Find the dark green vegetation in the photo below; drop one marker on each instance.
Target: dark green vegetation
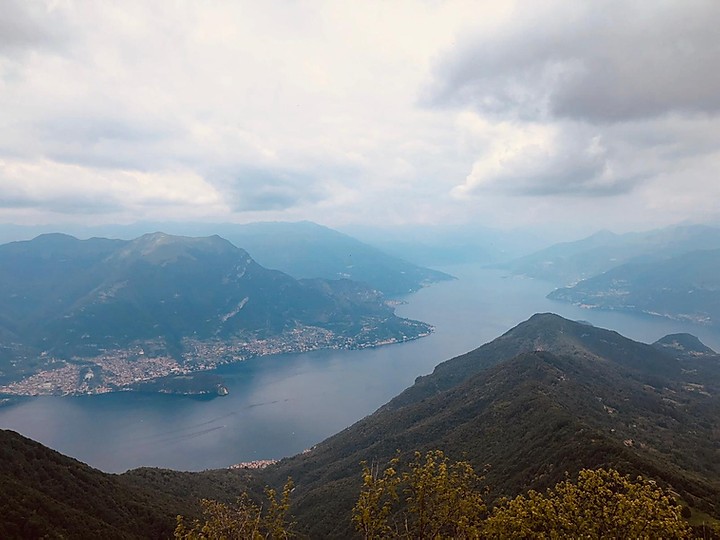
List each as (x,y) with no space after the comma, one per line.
(684,287)
(547,398)
(569,262)
(550,396)
(45,494)
(70,297)
(244,520)
(200,384)
(434,498)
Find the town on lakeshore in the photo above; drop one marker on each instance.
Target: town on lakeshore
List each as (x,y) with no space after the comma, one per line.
(124,369)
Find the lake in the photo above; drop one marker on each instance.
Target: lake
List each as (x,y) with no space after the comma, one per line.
(281,405)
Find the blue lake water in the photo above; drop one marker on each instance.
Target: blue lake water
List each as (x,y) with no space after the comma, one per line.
(280,405)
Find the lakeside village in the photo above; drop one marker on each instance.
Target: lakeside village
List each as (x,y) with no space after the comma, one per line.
(125,369)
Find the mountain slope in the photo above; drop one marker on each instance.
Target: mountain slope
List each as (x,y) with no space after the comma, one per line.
(548,397)
(184,301)
(309,250)
(589,398)
(685,287)
(46,494)
(302,249)
(567,263)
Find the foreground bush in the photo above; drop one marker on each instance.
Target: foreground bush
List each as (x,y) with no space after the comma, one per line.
(243,521)
(436,499)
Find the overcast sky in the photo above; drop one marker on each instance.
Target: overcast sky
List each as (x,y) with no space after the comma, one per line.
(601,114)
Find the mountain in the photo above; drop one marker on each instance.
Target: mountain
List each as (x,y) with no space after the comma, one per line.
(684,287)
(302,249)
(110,312)
(449,244)
(548,397)
(48,495)
(685,345)
(309,250)
(567,263)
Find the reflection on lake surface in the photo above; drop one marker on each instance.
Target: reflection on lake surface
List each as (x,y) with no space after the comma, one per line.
(280,405)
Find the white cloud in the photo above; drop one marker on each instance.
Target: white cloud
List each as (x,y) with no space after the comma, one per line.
(319,110)
(62,188)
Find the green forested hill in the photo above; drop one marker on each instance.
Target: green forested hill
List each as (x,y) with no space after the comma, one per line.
(549,397)
(47,494)
(61,298)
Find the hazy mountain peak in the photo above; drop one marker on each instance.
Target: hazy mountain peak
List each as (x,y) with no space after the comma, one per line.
(160,248)
(54,237)
(603,235)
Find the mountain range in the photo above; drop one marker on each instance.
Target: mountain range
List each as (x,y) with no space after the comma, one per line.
(569,262)
(685,287)
(111,312)
(548,397)
(308,250)
(300,249)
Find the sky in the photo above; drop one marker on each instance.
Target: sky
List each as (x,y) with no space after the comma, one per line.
(568,114)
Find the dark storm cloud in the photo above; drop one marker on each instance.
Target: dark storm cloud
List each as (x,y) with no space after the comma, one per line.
(596,62)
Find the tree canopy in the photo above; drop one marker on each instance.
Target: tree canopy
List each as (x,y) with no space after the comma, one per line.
(433,498)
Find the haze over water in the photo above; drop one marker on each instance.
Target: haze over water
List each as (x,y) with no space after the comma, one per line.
(281,405)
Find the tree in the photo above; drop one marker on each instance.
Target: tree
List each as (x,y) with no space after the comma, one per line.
(377,497)
(602,504)
(441,500)
(245,520)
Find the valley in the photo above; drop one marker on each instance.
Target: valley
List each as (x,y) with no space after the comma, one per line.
(280,405)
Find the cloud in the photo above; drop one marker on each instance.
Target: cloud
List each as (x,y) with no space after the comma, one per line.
(543,160)
(254,189)
(597,62)
(239,110)
(69,189)
(586,100)
(28,25)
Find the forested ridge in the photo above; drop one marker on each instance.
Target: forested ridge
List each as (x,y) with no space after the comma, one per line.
(528,411)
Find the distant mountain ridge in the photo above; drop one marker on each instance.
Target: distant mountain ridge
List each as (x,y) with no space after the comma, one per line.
(684,287)
(308,250)
(301,249)
(181,300)
(569,262)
